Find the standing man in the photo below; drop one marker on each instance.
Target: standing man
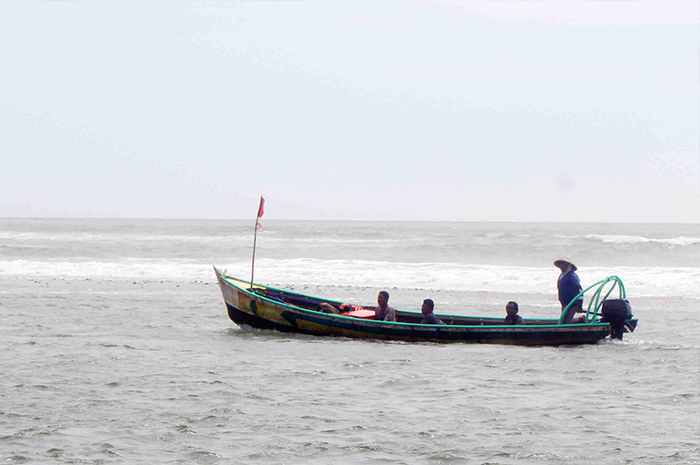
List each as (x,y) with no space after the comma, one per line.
(569,286)
(384,311)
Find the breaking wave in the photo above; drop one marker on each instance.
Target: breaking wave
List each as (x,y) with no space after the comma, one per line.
(639,281)
(613,239)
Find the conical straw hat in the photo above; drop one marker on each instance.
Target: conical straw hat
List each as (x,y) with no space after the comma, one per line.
(564,260)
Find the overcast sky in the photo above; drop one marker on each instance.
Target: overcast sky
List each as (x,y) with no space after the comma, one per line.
(512,111)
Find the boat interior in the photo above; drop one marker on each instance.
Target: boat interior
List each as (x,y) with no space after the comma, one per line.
(312,303)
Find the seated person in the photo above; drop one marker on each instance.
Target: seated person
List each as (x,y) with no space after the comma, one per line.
(325,307)
(344,308)
(429,317)
(384,311)
(513,318)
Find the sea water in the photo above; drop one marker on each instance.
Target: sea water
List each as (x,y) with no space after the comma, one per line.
(115,346)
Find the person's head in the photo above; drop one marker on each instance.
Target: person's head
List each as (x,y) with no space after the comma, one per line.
(512,308)
(428,306)
(383,298)
(565,264)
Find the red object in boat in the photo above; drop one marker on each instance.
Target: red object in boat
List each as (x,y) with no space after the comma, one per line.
(362,314)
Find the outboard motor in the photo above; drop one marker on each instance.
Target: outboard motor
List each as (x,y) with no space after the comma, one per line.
(616,312)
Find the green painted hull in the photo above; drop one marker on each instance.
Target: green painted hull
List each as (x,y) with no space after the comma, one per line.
(251,309)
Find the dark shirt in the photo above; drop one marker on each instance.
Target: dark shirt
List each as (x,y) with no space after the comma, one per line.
(515,320)
(569,286)
(430,319)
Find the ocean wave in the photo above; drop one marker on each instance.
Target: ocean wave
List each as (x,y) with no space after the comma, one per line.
(116,238)
(639,281)
(622,239)
(223,240)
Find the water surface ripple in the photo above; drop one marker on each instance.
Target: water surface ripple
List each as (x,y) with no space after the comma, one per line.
(150,370)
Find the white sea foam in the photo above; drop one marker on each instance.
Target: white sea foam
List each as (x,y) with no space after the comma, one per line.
(622,239)
(639,281)
(111,238)
(270,237)
(126,269)
(114,237)
(647,281)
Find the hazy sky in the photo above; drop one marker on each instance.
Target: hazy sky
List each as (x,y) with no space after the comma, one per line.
(515,111)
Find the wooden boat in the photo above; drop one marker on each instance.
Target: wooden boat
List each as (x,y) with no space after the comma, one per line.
(265,307)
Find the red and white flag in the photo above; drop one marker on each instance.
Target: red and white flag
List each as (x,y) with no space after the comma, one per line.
(261,211)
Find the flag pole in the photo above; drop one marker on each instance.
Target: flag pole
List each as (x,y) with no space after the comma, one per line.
(252,266)
(255,238)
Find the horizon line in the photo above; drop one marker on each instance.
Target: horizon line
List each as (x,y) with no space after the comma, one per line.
(86,218)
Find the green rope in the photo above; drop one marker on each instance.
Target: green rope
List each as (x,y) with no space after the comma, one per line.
(596,302)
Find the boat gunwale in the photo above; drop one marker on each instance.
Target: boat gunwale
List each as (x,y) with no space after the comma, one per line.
(513,328)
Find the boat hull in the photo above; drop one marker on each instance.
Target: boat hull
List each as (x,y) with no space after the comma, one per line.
(246,308)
